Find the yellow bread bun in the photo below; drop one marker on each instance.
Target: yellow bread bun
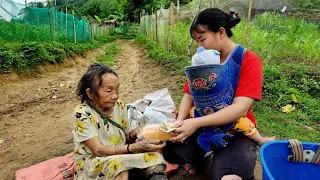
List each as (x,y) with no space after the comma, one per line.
(153,131)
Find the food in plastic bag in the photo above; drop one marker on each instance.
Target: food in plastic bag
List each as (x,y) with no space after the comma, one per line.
(162,132)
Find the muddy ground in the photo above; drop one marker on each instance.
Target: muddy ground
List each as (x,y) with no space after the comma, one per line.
(35,108)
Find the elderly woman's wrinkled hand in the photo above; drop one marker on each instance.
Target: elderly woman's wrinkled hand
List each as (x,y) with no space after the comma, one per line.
(146,145)
(134,133)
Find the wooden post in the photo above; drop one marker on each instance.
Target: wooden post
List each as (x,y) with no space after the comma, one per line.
(156,26)
(248,25)
(140,23)
(57,19)
(49,20)
(93,31)
(61,20)
(147,27)
(199,4)
(74,27)
(171,22)
(217,3)
(145,24)
(178,4)
(191,40)
(25,22)
(37,13)
(83,32)
(101,31)
(66,24)
(91,36)
(134,25)
(152,26)
(54,22)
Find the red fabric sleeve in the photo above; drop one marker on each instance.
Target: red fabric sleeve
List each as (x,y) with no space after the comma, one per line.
(250,81)
(186,87)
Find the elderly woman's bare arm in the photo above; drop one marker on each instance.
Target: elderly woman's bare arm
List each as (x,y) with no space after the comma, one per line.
(98,149)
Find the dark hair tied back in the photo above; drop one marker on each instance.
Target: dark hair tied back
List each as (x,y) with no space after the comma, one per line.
(92,80)
(213,19)
(234,19)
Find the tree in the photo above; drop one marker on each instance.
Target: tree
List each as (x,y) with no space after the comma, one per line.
(78,4)
(110,7)
(36,4)
(93,7)
(131,9)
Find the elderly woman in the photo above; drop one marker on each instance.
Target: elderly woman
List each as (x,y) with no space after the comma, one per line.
(105,146)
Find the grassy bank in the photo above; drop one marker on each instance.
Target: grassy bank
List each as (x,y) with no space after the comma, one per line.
(18,56)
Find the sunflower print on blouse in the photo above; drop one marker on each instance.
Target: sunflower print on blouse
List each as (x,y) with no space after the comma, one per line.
(121,103)
(81,127)
(113,166)
(116,139)
(94,121)
(78,108)
(79,164)
(150,157)
(123,122)
(98,166)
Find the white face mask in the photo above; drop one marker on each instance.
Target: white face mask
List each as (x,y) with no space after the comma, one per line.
(204,56)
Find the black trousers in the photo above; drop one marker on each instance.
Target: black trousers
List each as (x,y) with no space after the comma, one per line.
(238,158)
(187,152)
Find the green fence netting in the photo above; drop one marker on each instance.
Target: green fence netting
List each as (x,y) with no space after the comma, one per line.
(45,25)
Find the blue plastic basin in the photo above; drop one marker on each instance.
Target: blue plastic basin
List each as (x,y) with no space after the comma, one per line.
(275,164)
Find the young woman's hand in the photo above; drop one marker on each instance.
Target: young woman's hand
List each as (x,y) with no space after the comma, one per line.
(185,129)
(147,145)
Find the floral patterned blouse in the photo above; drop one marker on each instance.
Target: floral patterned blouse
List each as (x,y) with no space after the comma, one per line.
(88,123)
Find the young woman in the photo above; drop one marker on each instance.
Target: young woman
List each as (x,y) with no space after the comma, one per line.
(212,30)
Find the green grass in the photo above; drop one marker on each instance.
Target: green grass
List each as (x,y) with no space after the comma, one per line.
(281,40)
(272,122)
(109,58)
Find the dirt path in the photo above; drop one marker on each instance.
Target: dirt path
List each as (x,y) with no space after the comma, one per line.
(35,113)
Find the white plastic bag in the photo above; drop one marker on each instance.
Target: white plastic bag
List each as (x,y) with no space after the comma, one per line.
(155,108)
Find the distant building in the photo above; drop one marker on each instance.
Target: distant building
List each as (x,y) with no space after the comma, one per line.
(258,6)
(112,22)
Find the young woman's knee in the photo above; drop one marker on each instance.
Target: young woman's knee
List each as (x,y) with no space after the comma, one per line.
(124,175)
(231,177)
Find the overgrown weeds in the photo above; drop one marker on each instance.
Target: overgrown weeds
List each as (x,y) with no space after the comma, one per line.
(19,56)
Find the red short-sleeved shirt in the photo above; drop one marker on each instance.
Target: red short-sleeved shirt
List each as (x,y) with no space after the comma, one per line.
(250,81)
